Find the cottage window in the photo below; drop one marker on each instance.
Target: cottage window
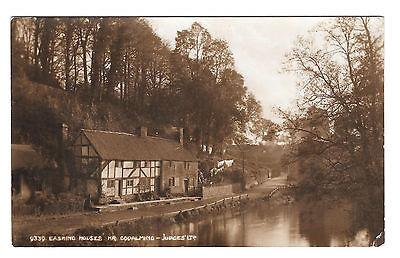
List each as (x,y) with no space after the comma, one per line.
(171,181)
(118,164)
(110,183)
(154,169)
(187,165)
(127,187)
(85,161)
(85,150)
(129,183)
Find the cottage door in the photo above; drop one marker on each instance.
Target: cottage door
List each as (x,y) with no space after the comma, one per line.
(157,184)
(186,185)
(120,187)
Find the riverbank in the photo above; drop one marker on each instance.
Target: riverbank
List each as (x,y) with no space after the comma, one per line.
(38,233)
(272,219)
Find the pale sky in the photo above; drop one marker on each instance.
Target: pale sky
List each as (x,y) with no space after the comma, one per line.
(258,46)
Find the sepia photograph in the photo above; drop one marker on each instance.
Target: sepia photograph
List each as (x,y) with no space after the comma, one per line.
(219,131)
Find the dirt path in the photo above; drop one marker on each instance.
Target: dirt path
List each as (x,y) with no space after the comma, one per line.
(266,187)
(68,224)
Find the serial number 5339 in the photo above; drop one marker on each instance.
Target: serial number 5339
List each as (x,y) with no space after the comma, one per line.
(37,238)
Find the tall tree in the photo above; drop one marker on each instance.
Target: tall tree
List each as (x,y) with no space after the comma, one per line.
(121,61)
(68,34)
(342,122)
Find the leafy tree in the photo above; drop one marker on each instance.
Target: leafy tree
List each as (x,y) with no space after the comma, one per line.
(339,133)
(122,62)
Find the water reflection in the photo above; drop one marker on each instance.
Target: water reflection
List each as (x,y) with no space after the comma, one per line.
(293,225)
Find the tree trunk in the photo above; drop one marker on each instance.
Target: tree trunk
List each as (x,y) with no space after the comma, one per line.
(84,50)
(67,56)
(75,73)
(36,43)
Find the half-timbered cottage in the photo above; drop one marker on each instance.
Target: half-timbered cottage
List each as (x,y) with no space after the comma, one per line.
(125,166)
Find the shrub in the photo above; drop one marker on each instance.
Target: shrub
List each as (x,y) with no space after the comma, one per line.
(48,204)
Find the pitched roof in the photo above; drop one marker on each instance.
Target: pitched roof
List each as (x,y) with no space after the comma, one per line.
(124,146)
(24,156)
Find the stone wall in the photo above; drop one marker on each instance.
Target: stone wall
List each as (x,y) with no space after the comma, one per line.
(221,190)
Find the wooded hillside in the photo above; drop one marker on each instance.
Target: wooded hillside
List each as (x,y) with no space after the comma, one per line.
(116,73)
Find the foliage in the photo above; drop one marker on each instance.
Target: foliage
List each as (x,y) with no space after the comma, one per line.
(111,62)
(337,138)
(48,204)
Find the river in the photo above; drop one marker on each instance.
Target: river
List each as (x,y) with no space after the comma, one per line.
(270,225)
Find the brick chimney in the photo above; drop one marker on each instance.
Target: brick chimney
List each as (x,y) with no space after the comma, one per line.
(143,131)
